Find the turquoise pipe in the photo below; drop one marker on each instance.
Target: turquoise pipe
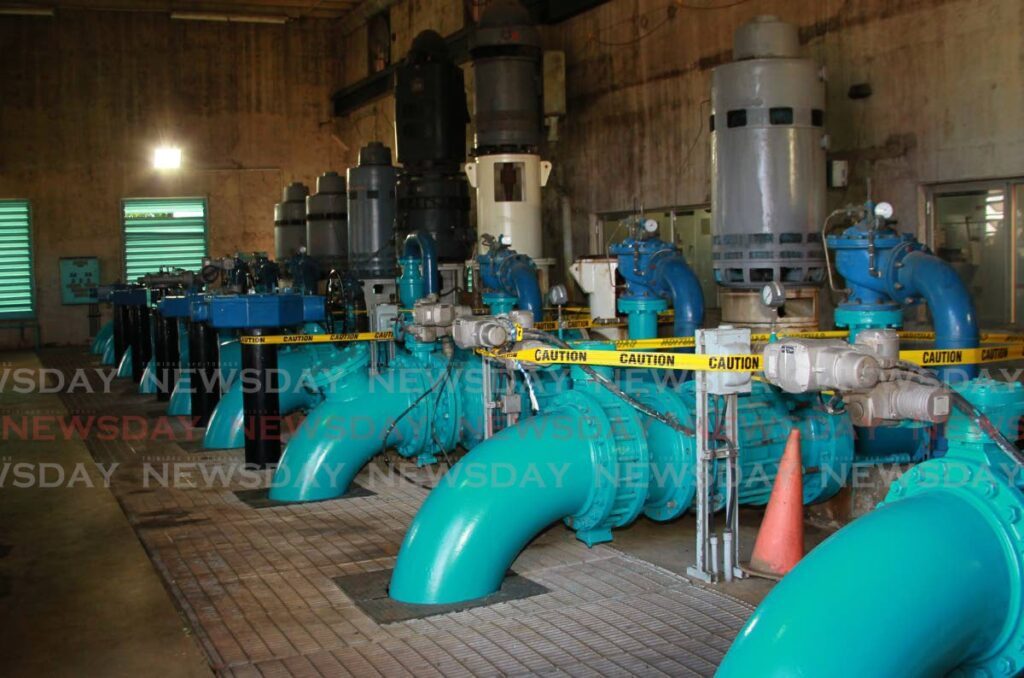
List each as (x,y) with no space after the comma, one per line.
(937,581)
(304,371)
(642,316)
(344,432)
(108,356)
(180,403)
(124,369)
(102,338)
(930,583)
(411,285)
(147,385)
(341,434)
(462,538)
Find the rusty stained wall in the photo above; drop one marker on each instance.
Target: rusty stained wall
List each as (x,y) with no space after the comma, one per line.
(87,95)
(947,77)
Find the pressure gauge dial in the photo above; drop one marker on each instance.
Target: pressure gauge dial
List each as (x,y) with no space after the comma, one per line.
(884,210)
(773,295)
(650,225)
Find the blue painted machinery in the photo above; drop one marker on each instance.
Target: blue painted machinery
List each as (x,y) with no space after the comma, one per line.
(657,276)
(254,316)
(306,372)
(509,280)
(927,584)
(886,273)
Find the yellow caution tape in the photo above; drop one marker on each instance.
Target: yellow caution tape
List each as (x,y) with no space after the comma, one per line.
(736,362)
(935,357)
(661,361)
(317,338)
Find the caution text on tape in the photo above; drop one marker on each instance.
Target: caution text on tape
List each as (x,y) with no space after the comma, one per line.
(317,338)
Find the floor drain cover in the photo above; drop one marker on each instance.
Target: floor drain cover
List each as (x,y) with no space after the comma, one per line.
(369,591)
(259,499)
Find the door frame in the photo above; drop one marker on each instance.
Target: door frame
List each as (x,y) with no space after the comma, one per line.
(1010,208)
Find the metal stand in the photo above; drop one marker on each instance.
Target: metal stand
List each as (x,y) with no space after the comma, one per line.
(710,566)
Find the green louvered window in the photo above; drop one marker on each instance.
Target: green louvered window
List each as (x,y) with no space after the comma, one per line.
(17,294)
(163,232)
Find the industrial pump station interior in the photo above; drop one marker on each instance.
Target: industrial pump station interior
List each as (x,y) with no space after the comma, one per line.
(512,337)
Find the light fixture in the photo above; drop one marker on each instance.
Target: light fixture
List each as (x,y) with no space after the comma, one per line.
(26,11)
(167,158)
(230,18)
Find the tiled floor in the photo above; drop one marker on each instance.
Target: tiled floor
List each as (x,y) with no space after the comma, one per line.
(256,584)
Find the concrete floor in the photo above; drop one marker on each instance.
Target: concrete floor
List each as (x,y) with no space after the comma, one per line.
(78,593)
(252,592)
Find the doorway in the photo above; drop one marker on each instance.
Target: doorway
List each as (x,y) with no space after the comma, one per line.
(976,227)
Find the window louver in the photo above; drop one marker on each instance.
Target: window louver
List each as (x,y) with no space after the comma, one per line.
(17,296)
(163,232)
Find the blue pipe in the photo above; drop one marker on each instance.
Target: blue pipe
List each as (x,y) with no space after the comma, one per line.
(685,292)
(654,271)
(886,271)
(522,277)
(421,245)
(505,271)
(954,316)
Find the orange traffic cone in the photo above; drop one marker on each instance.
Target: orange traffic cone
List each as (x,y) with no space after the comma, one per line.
(780,543)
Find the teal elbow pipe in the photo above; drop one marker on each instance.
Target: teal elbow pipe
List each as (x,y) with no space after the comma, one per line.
(226,429)
(230,360)
(108,356)
(180,404)
(914,588)
(337,439)
(931,583)
(124,370)
(473,525)
(349,427)
(147,385)
(420,245)
(99,342)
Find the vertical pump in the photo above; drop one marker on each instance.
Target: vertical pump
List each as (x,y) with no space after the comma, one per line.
(508,173)
(327,222)
(768,168)
(430,121)
(290,221)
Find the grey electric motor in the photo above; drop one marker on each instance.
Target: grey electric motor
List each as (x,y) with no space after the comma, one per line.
(371,213)
(290,221)
(327,220)
(768,160)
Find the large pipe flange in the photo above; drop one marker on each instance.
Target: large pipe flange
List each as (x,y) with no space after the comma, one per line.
(990,493)
(621,465)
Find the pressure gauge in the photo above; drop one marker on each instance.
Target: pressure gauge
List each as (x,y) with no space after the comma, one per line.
(650,225)
(773,295)
(884,210)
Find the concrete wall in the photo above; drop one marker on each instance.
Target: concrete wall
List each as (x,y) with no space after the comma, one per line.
(87,95)
(947,77)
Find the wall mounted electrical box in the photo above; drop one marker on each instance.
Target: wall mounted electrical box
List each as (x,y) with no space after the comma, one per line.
(79,278)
